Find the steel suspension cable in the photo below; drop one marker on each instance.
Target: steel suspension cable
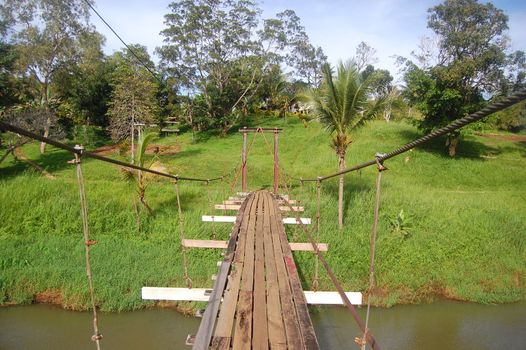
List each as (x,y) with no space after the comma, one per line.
(369,336)
(316,282)
(96,337)
(17,130)
(457,124)
(243,164)
(124,43)
(211,206)
(372,253)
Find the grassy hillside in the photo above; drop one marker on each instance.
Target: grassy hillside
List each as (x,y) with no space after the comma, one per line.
(464,230)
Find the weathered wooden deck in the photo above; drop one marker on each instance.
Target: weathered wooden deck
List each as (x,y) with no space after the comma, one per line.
(257,301)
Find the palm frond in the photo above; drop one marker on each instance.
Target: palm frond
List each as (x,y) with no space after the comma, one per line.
(141,150)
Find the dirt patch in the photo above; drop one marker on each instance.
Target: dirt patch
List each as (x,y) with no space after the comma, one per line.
(151,149)
(106,150)
(53,297)
(505,137)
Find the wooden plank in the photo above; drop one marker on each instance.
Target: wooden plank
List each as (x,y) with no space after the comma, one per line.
(227,206)
(307,247)
(220,218)
(206,327)
(294,221)
(237,206)
(287,208)
(202,243)
(331,298)
(200,294)
(234,201)
(174,294)
(276,328)
(214,244)
(243,323)
(290,320)
(260,328)
(225,321)
(305,323)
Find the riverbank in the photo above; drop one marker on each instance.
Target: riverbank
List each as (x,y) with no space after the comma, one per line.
(462,235)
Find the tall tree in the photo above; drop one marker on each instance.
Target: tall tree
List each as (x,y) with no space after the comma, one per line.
(47,39)
(206,45)
(214,49)
(472,62)
(133,99)
(84,85)
(365,56)
(301,56)
(342,104)
(8,82)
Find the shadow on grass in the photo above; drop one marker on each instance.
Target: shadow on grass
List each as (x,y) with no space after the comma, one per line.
(466,148)
(189,201)
(53,160)
(188,153)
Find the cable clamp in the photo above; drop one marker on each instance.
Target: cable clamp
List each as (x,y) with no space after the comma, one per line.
(96,337)
(79,150)
(379,161)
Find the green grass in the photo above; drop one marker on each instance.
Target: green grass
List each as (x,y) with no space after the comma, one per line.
(466,239)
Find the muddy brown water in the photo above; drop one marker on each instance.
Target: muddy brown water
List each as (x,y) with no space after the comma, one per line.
(442,325)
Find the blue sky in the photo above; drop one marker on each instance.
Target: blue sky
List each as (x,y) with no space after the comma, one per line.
(392,27)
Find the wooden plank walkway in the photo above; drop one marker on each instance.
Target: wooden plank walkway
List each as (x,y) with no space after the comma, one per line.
(263,306)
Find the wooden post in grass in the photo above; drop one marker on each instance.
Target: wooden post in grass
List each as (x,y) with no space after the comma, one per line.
(244,164)
(276,161)
(244,155)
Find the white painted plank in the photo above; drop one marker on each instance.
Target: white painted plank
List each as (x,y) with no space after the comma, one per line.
(210,218)
(203,243)
(292,221)
(198,294)
(174,294)
(218,218)
(331,298)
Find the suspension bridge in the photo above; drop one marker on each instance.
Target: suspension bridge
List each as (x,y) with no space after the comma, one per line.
(257,300)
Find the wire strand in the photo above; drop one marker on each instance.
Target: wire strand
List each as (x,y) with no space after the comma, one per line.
(122,41)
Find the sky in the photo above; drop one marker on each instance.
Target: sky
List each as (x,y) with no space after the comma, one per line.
(392,27)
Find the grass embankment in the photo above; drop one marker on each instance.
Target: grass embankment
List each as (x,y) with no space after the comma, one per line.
(466,239)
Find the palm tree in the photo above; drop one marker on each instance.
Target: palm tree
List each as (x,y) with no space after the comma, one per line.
(342,104)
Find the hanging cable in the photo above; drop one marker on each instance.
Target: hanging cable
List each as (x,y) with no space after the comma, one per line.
(96,337)
(122,41)
(211,205)
(241,167)
(32,135)
(372,253)
(187,278)
(369,336)
(315,282)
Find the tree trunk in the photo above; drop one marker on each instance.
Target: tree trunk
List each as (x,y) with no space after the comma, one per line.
(48,119)
(451,144)
(341,166)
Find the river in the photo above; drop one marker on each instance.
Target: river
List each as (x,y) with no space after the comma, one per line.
(441,325)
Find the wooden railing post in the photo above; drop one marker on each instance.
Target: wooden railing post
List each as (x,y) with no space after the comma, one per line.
(244,164)
(276,161)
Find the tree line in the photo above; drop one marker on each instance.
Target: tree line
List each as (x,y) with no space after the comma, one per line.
(221,61)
